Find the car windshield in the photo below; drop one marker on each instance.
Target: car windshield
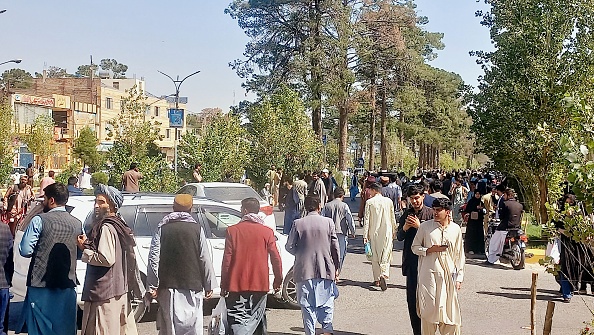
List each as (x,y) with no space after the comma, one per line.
(230,194)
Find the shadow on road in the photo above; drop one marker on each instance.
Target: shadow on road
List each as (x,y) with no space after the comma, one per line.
(367,285)
(299,329)
(481,263)
(518,294)
(391,265)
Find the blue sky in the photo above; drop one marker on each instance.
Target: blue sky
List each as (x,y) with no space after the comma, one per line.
(180,37)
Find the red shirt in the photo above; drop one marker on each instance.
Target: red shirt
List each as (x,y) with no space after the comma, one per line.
(245,261)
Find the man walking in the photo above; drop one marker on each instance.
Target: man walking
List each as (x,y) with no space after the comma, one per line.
(392,194)
(109,254)
(407,229)
(318,188)
(16,200)
(179,290)
(30,173)
(510,213)
(314,243)
(245,273)
(379,229)
(341,215)
(131,179)
(438,244)
(197,173)
(45,182)
(50,242)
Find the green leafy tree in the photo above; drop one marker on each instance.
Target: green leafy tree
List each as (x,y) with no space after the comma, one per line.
(6,139)
(85,149)
(516,113)
(221,147)
(131,127)
(40,141)
(70,170)
(86,70)
(54,72)
(15,78)
(134,141)
(280,135)
(118,70)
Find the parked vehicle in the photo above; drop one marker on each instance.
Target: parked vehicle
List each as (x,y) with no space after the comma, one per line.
(230,194)
(143,212)
(514,247)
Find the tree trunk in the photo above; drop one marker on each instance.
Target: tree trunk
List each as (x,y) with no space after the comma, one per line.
(372,126)
(343,140)
(384,139)
(543,192)
(316,78)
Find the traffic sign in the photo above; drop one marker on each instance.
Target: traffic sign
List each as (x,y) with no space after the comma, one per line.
(325,139)
(176,118)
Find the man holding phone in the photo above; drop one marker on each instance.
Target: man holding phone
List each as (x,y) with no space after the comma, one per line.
(410,221)
(439,245)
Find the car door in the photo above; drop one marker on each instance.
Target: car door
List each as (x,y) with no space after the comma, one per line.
(217,219)
(146,223)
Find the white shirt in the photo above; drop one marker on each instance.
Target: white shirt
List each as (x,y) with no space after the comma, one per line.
(84,181)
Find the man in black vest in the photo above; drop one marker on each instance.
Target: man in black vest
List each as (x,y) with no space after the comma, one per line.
(179,289)
(50,241)
(410,221)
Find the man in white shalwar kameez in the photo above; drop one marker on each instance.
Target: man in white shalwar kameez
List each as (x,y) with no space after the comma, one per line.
(438,244)
(379,229)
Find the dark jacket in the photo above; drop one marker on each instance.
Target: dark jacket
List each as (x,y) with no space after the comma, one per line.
(510,214)
(409,259)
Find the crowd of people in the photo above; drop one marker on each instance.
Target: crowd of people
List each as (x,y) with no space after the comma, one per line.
(426,212)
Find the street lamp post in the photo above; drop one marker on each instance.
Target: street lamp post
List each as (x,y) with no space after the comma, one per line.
(177,83)
(12,61)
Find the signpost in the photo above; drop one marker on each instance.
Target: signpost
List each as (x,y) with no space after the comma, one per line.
(176,119)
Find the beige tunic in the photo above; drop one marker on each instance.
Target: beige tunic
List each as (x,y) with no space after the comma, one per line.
(379,227)
(114,315)
(437,297)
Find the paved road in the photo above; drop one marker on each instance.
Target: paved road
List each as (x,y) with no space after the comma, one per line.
(494,300)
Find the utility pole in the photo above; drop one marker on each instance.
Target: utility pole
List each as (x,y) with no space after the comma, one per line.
(177,83)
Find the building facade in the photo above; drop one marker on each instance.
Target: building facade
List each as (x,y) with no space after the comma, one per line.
(78,103)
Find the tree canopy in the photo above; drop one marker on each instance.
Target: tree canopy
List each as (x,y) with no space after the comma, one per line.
(517,113)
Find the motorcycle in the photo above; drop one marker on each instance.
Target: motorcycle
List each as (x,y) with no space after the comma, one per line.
(514,247)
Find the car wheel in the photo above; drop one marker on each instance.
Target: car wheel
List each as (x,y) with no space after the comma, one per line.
(289,291)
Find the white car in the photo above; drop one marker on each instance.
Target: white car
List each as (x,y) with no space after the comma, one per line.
(230,194)
(143,213)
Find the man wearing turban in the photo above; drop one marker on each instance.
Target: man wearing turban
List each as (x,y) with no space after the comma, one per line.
(109,254)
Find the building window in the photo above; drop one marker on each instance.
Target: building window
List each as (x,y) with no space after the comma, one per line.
(156,111)
(108,103)
(116,85)
(168,133)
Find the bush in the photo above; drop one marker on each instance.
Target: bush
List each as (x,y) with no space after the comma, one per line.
(99,178)
(72,169)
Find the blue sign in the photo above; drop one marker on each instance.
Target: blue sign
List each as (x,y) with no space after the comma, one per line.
(176,118)
(361,161)
(324,139)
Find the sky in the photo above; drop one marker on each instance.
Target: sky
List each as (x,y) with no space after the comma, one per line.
(181,37)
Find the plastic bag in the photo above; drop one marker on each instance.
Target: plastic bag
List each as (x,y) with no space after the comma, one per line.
(218,321)
(554,250)
(368,252)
